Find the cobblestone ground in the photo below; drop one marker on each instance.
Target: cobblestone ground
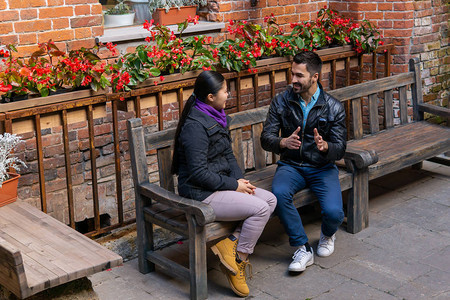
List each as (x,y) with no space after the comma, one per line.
(404,254)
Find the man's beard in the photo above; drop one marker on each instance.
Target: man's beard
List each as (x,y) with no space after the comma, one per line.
(299,88)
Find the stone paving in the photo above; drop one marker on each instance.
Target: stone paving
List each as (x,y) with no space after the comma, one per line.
(404,254)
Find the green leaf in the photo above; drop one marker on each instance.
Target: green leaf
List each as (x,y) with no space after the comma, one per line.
(155,72)
(44,92)
(143,56)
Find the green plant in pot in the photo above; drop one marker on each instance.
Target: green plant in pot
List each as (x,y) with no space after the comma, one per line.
(8,180)
(119,15)
(168,12)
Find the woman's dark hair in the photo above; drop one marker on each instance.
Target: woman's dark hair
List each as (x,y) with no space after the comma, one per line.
(208,82)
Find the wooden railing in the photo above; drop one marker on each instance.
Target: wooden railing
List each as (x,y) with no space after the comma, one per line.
(262,89)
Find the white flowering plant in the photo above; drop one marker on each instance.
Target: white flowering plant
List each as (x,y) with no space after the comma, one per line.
(168,4)
(7,143)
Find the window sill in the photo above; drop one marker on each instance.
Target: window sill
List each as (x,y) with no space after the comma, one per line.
(130,33)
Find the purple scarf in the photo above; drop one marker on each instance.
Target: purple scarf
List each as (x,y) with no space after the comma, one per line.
(218,115)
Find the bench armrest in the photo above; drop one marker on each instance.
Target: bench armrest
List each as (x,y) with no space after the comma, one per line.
(203,213)
(360,158)
(435,110)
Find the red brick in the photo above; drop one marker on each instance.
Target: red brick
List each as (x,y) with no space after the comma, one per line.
(56,35)
(96,9)
(60,23)
(69,2)
(289,10)
(269,3)
(6,28)
(277,11)
(373,16)
(28,38)
(384,6)
(340,7)
(9,15)
(35,25)
(28,14)
(287,19)
(404,24)
(385,24)
(51,140)
(88,43)
(2,4)
(55,2)
(26,3)
(399,15)
(86,21)
(225,7)
(403,6)
(424,13)
(55,12)
(82,33)
(9,39)
(82,10)
(97,30)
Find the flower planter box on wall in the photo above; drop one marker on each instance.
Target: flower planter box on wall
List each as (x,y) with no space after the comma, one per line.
(174,15)
(8,190)
(39,101)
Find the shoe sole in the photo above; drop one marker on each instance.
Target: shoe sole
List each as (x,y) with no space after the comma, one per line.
(225,270)
(324,255)
(301,270)
(216,252)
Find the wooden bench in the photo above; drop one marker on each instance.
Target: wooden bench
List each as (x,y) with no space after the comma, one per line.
(37,252)
(159,205)
(400,146)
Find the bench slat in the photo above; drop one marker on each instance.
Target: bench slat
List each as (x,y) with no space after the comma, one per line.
(373,113)
(403,105)
(372,87)
(357,118)
(388,109)
(237,145)
(259,153)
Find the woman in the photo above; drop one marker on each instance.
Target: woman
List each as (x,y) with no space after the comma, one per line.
(207,171)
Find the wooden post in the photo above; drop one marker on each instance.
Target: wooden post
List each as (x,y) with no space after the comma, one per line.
(144,237)
(416,88)
(197,260)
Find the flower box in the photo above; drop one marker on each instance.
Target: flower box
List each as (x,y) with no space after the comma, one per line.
(174,15)
(8,190)
(39,101)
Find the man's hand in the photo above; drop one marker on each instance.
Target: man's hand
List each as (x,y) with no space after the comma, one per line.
(291,142)
(244,186)
(321,144)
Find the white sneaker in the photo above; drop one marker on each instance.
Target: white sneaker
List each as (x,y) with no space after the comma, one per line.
(326,245)
(301,259)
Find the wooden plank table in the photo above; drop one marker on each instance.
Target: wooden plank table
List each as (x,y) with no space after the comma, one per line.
(38,252)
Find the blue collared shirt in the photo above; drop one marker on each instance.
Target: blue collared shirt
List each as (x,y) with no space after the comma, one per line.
(307,108)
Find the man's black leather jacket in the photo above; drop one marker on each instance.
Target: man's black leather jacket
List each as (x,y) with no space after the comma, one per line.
(285,115)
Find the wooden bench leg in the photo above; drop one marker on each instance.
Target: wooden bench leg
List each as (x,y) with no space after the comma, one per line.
(197,261)
(358,202)
(144,238)
(417,166)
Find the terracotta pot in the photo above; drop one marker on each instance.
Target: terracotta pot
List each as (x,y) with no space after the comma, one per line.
(174,15)
(8,190)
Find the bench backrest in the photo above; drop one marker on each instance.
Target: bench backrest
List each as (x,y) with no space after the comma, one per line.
(246,126)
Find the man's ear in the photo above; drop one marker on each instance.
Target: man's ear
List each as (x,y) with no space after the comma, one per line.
(316,77)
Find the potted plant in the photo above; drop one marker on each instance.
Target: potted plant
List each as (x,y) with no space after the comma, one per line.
(8,180)
(168,12)
(119,15)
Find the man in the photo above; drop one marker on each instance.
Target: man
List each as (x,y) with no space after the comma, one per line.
(313,135)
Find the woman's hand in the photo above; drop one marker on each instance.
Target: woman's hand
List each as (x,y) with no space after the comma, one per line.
(244,186)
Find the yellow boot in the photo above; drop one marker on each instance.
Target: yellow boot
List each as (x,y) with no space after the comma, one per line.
(226,251)
(238,282)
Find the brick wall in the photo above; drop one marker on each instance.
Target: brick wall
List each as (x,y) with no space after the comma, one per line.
(70,23)
(417,29)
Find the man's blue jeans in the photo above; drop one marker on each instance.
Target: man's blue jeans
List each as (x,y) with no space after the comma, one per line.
(323,182)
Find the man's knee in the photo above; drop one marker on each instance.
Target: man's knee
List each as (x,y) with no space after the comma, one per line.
(282,193)
(334,214)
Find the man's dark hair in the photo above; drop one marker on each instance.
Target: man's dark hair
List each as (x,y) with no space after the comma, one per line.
(311,60)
